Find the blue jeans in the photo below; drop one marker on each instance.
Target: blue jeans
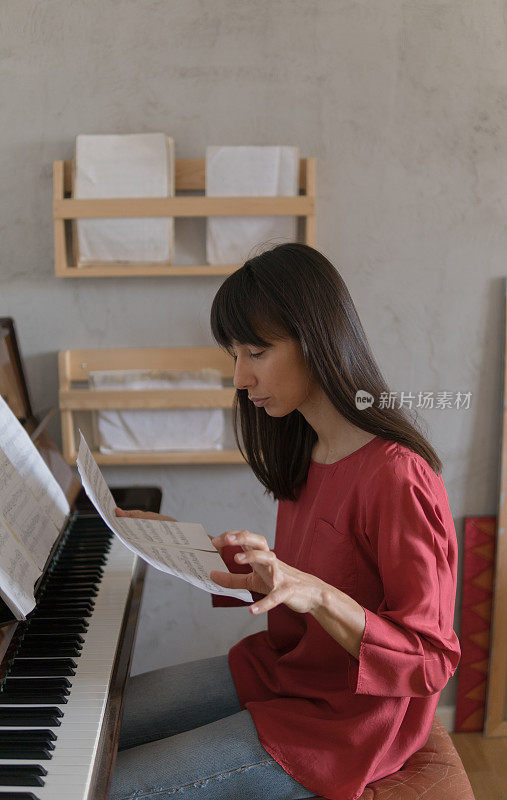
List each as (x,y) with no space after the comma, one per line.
(184,735)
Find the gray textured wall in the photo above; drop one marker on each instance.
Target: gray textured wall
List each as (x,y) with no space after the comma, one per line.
(404,106)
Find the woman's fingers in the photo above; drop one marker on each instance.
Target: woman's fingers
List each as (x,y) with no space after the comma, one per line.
(142,515)
(229,580)
(243,538)
(120,512)
(273,599)
(213,543)
(256,557)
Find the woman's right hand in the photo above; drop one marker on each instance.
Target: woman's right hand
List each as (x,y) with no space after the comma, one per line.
(143,515)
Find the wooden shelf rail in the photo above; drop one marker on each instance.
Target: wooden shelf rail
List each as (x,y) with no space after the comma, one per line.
(189,177)
(74,366)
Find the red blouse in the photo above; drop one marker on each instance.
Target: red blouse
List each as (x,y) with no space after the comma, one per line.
(377,525)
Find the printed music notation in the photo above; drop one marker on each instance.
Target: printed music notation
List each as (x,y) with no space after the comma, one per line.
(182,549)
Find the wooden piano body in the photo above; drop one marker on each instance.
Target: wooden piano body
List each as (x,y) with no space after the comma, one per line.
(63,671)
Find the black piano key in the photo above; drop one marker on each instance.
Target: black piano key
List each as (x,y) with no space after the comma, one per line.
(82,559)
(61,609)
(88,548)
(23,667)
(93,560)
(54,591)
(62,614)
(41,735)
(70,577)
(90,528)
(22,775)
(33,717)
(66,602)
(82,571)
(74,550)
(27,750)
(63,582)
(77,569)
(35,685)
(18,796)
(68,589)
(53,636)
(92,548)
(76,565)
(69,595)
(30,698)
(89,574)
(40,626)
(68,553)
(46,618)
(52,641)
(28,683)
(50,650)
(33,693)
(43,629)
(77,591)
(86,569)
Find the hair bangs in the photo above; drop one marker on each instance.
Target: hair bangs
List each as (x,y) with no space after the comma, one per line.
(242,313)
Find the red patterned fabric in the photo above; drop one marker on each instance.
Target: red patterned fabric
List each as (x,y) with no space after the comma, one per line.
(476,607)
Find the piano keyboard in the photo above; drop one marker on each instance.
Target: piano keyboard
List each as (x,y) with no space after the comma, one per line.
(53,697)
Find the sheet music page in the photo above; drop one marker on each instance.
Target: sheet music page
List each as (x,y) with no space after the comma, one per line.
(20,450)
(29,522)
(182,549)
(18,574)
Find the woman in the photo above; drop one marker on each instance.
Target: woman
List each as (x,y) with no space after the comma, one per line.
(359,589)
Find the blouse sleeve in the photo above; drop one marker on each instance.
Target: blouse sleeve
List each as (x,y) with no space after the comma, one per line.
(223,600)
(409,647)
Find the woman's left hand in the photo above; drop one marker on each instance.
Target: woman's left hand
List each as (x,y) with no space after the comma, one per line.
(284,584)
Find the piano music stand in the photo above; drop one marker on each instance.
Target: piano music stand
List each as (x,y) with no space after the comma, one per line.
(13,386)
(14,390)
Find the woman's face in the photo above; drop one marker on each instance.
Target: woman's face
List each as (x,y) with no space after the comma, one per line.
(275,374)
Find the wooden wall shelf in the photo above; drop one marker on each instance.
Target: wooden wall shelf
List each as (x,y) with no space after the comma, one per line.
(189,177)
(75,365)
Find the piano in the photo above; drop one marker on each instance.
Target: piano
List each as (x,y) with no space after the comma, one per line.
(63,671)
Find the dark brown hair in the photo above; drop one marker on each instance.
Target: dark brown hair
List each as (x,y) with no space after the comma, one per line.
(293,291)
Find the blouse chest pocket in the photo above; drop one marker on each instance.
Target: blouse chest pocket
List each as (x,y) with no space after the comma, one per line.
(332,556)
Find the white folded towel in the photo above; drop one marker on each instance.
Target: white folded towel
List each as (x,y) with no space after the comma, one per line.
(264,171)
(158,428)
(126,165)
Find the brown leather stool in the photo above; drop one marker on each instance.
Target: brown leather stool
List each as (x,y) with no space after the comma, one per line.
(435,772)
